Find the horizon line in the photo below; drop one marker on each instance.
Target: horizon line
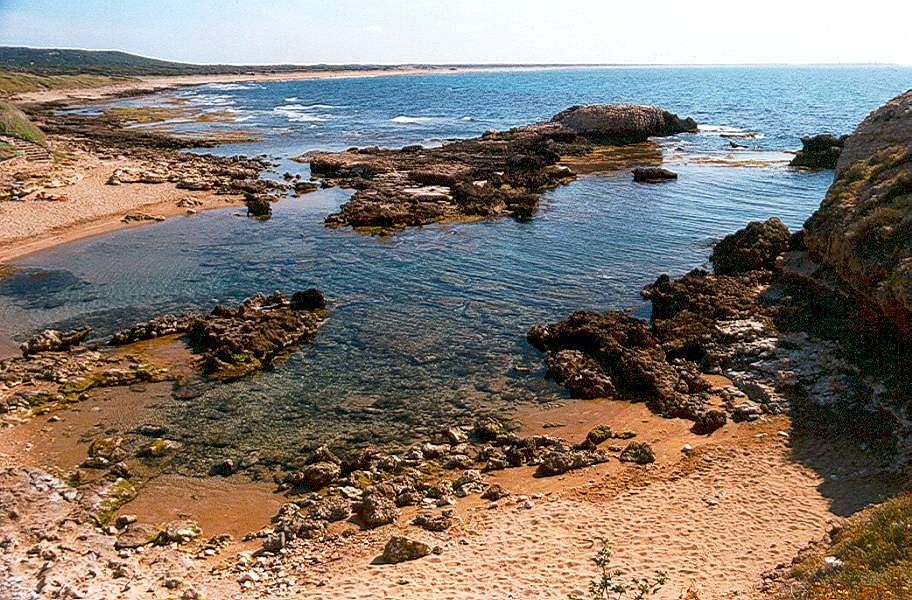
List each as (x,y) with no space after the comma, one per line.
(464,64)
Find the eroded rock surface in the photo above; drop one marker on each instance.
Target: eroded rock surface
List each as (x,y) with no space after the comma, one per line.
(819,151)
(863,228)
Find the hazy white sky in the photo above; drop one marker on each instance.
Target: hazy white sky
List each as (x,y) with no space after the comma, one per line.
(471,31)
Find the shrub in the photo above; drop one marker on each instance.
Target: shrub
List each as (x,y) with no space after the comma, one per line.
(610,584)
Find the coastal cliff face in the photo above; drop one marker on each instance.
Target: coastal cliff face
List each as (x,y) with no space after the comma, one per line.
(863,228)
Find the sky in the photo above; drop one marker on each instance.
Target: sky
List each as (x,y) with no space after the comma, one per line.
(471,31)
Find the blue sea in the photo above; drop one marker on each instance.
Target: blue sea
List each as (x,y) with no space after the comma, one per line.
(428,326)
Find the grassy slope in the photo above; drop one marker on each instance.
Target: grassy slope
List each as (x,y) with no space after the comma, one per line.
(13,122)
(875,552)
(18,83)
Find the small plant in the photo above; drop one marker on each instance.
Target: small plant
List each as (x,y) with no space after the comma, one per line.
(611,585)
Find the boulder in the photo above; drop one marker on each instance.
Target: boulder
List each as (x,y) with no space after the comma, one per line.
(653,175)
(51,340)
(622,123)
(755,247)
(709,421)
(258,205)
(309,299)
(558,462)
(400,549)
(377,507)
(640,453)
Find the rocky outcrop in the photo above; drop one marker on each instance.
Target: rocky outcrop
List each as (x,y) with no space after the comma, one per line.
(624,351)
(622,123)
(863,228)
(497,174)
(400,549)
(819,152)
(755,247)
(51,340)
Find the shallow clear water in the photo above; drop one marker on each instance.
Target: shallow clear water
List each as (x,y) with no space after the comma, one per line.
(429,325)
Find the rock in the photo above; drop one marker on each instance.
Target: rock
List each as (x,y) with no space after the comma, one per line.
(558,462)
(136,535)
(497,174)
(653,175)
(599,434)
(104,451)
(434,522)
(159,326)
(178,532)
(624,350)
(274,542)
(159,447)
(580,374)
(331,509)
(709,421)
(51,340)
(494,492)
(638,452)
(819,151)
(377,508)
(863,228)
(755,247)
(136,217)
(258,205)
(400,549)
(622,123)
(310,299)
(238,341)
(487,429)
(470,482)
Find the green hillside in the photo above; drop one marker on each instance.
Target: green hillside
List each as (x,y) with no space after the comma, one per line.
(13,122)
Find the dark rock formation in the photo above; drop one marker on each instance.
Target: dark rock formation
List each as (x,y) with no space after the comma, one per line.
(622,123)
(580,374)
(819,152)
(653,175)
(51,340)
(863,228)
(258,205)
(755,247)
(500,173)
(156,327)
(624,350)
(560,461)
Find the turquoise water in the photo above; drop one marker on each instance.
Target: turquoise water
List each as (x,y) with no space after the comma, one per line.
(428,326)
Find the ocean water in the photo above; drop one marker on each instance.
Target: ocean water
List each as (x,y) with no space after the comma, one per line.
(428,326)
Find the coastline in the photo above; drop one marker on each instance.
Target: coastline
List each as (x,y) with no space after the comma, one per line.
(155,84)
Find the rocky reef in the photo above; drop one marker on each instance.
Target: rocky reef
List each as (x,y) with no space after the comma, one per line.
(499,173)
(863,229)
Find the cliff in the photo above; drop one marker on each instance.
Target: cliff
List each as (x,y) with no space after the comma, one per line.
(863,228)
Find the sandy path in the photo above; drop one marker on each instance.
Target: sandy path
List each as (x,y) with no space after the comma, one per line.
(715,522)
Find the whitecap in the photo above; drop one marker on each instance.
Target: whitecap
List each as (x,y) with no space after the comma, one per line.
(407,120)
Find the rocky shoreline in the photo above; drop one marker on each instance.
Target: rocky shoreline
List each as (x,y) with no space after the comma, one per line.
(813,324)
